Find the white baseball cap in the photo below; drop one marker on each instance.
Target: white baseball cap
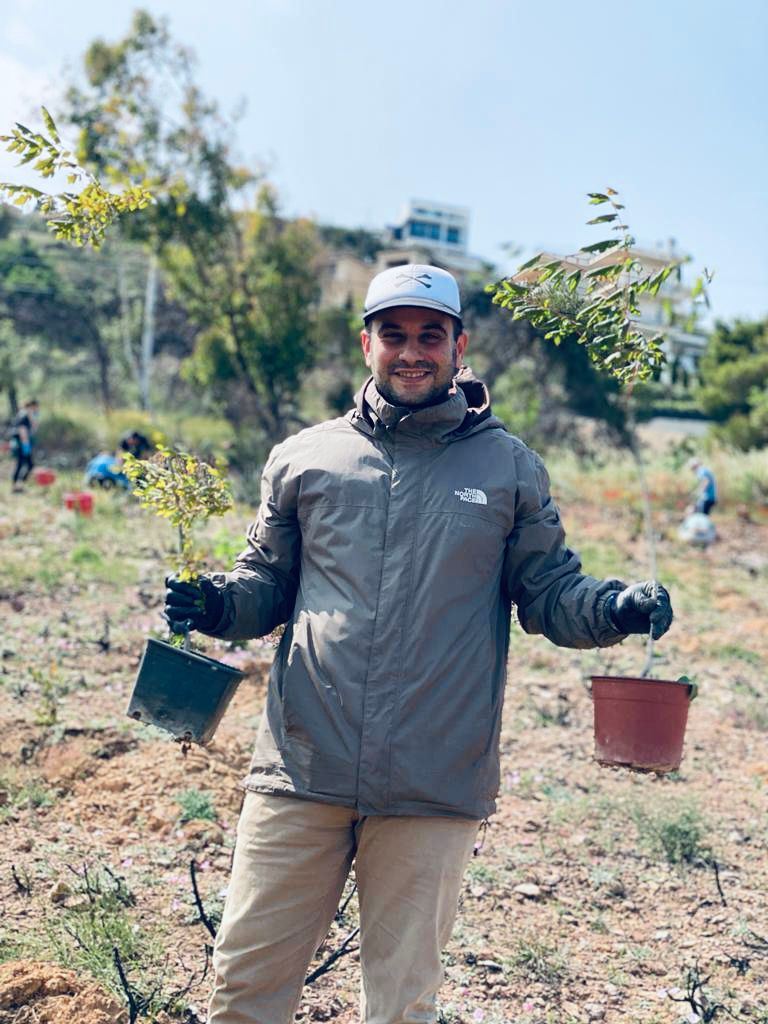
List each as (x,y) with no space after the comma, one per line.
(413,284)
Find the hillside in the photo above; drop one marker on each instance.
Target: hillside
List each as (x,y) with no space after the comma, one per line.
(597,895)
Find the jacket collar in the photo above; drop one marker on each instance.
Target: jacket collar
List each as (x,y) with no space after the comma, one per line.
(467,404)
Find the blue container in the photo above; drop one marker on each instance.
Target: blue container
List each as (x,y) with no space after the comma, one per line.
(181,691)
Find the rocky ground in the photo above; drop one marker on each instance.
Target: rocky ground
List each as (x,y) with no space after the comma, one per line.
(597,894)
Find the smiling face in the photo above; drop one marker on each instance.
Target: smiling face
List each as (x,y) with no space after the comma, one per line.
(412,354)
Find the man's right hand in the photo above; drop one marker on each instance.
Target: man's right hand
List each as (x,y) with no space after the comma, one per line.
(197,605)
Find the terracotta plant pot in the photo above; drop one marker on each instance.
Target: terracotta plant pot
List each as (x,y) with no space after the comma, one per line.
(80,501)
(640,723)
(181,691)
(44,477)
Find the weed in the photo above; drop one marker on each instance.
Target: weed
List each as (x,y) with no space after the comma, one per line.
(535,959)
(50,690)
(679,834)
(608,881)
(750,714)
(19,794)
(196,805)
(705,1007)
(479,872)
(559,714)
(598,924)
(730,652)
(93,933)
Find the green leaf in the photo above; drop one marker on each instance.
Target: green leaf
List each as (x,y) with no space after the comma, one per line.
(604,219)
(613,270)
(608,243)
(50,125)
(595,198)
(530,263)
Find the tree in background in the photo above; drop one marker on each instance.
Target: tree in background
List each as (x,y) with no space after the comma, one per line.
(734,382)
(244,274)
(253,291)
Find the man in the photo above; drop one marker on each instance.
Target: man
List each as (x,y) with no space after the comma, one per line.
(23,432)
(706,488)
(393,542)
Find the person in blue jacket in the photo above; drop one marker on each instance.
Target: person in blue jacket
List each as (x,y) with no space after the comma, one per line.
(104,471)
(706,488)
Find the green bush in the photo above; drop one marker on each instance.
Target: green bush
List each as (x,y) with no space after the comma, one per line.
(66,440)
(196,805)
(678,833)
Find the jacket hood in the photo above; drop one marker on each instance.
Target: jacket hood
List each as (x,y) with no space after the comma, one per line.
(466,410)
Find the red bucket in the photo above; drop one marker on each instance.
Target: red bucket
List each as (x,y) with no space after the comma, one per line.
(640,723)
(80,501)
(44,477)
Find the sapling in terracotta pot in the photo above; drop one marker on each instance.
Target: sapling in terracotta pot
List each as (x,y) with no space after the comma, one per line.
(178,689)
(593,296)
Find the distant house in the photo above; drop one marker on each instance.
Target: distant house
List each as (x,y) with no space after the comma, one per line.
(427,232)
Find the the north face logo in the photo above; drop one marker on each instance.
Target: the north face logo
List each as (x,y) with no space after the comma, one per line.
(473,495)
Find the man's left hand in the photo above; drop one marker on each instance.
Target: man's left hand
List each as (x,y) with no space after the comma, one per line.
(642,608)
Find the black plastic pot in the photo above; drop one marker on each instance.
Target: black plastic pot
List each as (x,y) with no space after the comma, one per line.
(181,691)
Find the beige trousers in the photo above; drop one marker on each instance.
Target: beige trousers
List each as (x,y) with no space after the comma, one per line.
(291,861)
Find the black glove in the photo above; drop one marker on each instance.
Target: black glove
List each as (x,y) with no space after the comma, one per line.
(197,605)
(641,608)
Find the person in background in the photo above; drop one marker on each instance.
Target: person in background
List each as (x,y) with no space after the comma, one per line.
(706,488)
(135,444)
(104,470)
(23,431)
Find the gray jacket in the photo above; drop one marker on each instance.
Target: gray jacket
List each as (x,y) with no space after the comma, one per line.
(393,543)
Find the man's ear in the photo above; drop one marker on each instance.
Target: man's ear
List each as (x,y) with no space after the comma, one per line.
(365,341)
(461,344)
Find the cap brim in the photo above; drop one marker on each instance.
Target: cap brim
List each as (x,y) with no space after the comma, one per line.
(409,301)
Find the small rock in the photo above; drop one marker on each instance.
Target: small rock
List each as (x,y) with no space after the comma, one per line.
(595,1011)
(529,890)
(552,880)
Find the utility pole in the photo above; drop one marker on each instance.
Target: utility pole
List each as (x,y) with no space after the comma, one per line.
(125,324)
(148,333)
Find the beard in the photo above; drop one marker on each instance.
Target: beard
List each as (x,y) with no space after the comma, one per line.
(441,383)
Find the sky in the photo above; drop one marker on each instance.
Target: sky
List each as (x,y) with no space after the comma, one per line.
(513,109)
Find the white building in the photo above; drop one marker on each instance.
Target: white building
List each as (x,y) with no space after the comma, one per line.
(427,232)
(436,228)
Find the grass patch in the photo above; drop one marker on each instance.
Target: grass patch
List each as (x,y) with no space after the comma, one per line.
(731,652)
(535,959)
(679,834)
(18,793)
(196,805)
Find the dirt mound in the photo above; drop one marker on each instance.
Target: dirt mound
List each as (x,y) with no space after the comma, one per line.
(47,994)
